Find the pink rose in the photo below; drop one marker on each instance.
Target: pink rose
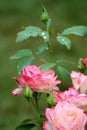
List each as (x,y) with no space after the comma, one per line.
(71,96)
(85,60)
(79,81)
(37,80)
(64,116)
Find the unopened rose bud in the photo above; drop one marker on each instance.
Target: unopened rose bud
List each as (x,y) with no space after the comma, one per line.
(27,92)
(81,65)
(44,16)
(51,100)
(85,61)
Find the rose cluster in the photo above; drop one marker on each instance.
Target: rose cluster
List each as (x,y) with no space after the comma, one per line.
(69,111)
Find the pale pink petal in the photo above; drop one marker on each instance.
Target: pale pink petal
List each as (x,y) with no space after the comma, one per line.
(46,126)
(65,116)
(17,91)
(79,81)
(71,96)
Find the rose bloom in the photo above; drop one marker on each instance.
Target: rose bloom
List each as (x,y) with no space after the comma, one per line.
(79,81)
(64,116)
(72,96)
(85,60)
(37,80)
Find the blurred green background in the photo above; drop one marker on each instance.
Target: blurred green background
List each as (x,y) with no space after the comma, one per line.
(14,15)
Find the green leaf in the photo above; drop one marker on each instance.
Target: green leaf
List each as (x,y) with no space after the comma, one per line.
(26,121)
(24,62)
(41,48)
(21,53)
(32,31)
(64,41)
(64,76)
(68,64)
(28,32)
(47,66)
(25,127)
(76,30)
(44,35)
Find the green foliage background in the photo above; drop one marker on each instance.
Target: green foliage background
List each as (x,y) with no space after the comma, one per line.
(14,15)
